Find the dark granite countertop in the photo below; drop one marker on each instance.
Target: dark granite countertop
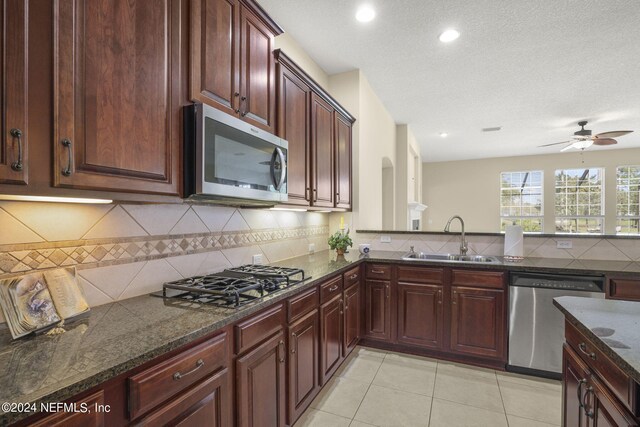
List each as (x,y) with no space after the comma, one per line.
(121,336)
(596,318)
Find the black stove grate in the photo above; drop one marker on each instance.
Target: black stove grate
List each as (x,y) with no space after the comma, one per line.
(233,287)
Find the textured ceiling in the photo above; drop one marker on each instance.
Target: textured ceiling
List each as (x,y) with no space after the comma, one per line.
(534,67)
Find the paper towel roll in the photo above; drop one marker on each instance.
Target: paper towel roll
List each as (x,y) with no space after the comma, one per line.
(513,242)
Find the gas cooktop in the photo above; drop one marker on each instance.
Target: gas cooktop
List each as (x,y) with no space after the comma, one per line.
(232,287)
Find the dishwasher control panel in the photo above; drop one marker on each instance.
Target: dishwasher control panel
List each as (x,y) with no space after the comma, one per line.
(558,281)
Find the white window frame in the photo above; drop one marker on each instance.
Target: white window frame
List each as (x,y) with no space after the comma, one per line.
(520,218)
(625,217)
(600,216)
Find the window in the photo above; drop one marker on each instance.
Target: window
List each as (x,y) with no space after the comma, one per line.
(628,200)
(579,201)
(521,200)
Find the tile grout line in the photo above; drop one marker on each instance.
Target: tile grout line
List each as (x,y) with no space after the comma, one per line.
(369,387)
(433,392)
(502,400)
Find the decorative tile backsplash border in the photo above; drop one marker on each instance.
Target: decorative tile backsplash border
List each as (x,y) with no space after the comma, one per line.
(105,252)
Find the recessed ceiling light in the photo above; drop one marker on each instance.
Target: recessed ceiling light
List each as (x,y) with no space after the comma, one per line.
(365,14)
(449,36)
(443,134)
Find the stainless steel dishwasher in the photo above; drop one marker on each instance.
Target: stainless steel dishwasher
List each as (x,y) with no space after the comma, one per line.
(536,326)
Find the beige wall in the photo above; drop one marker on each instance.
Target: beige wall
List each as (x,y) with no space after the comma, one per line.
(470,188)
(291,47)
(408,176)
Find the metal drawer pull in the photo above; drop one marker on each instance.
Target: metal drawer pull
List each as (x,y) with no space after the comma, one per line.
(377,271)
(580,382)
(281,343)
(178,375)
(293,347)
(67,143)
(588,412)
(583,348)
(17,165)
(333,288)
(353,276)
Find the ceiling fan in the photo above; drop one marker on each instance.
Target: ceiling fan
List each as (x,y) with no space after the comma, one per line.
(582,139)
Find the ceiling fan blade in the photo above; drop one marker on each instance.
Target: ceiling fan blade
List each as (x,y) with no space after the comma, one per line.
(568,147)
(612,134)
(604,141)
(555,143)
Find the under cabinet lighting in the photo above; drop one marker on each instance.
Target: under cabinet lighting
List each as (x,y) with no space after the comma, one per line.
(289,209)
(48,199)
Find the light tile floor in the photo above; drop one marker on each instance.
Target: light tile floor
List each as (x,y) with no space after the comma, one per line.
(378,388)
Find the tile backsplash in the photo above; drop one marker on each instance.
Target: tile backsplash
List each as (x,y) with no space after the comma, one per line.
(125,250)
(585,248)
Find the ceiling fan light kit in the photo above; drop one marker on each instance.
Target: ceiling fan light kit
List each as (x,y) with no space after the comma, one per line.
(583,139)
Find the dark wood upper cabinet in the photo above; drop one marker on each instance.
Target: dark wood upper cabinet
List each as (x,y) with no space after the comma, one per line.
(351,318)
(14,153)
(420,315)
(260,384)
(342,129)
(378,310)
(232,65)
(478,323)
(215,54)
(294,102)
(322,149)
(117,87)
(304,340)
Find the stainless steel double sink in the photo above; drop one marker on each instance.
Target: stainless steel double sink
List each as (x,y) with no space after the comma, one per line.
(477,259)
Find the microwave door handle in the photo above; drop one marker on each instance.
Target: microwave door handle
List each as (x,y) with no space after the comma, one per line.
(283,168)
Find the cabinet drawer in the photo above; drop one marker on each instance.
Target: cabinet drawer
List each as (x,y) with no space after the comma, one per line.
(620,384)
(379,271)
(302,304)
(482,279)
(420,274)
(156,384)
(626,289)
(257,328)
(352,276)
(330,289)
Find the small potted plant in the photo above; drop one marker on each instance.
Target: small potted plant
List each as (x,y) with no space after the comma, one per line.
(340,241)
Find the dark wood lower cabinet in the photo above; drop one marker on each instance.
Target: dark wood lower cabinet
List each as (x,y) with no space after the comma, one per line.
(260,384)
(604,408)
(351,318)
(420,315)
(575,376)
(77,419)
(330,338)
(205,404)
(304,340)
(378,310)
(478,322)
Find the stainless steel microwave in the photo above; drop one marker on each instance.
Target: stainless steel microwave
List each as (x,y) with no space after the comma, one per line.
(230,161)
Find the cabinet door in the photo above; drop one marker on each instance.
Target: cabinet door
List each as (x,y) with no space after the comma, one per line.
(378,310)
(117,86)
(215,51)
(257,72)
(330,338)
(208,403)
(303,364)
(13,92)
(574,377)
(478,322)
(92,418)
(351,318)
(420,315)
(604,409)
(343,162)
(260,376)
(322,149)
(293,125)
